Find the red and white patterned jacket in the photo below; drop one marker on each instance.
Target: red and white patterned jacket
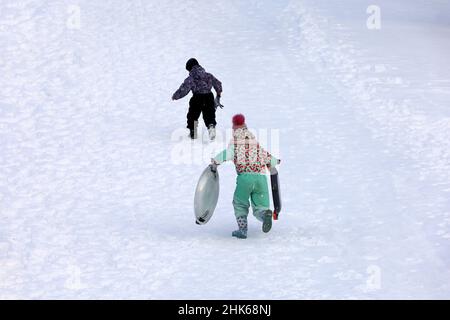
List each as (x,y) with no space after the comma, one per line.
(248,156)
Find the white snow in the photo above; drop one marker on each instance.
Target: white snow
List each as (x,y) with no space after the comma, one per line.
(95,203)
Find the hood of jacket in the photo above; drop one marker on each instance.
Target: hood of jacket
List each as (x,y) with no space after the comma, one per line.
(243,133)
(197,72)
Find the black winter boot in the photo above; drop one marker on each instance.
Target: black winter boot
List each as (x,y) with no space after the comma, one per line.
(267,221)
(193,133)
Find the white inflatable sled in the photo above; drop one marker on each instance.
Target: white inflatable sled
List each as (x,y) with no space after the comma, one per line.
(206,194)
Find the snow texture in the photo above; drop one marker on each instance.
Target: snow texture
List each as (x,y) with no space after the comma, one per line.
(95,203)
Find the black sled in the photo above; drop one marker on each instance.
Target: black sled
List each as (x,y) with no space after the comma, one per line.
(274,181)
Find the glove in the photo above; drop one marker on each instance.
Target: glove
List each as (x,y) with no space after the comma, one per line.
(213,168)
(217,103)
(269,166)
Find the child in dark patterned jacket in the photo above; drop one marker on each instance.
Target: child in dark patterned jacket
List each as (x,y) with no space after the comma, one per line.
(200,83)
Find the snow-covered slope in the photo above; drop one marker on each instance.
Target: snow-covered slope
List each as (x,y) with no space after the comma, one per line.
(96,203)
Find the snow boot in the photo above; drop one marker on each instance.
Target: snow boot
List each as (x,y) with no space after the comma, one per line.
(212,132)
(239,234)
(242,232)
(267,222)
(193,133)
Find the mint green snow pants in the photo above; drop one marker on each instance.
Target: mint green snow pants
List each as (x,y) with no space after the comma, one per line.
(251,188)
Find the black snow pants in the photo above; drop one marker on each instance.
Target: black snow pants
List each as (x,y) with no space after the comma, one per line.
(201,103)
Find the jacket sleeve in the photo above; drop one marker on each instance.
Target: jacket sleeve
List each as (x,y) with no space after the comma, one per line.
(225,155)
(184,89)
(269,159)
(273,161)
(217,85)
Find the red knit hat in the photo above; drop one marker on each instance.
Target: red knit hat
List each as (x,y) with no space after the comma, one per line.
(238,121)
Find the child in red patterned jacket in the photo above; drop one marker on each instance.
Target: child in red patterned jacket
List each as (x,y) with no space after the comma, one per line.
(251,161)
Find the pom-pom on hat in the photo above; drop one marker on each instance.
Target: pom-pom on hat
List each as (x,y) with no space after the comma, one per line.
(238,121)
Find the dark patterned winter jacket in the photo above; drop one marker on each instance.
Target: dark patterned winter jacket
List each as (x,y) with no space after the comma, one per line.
(199,81)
